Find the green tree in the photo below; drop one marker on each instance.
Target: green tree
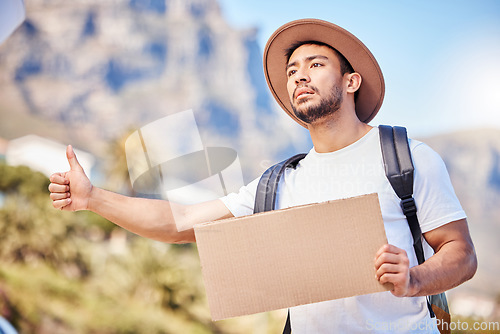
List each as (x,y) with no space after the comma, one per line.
(75,273)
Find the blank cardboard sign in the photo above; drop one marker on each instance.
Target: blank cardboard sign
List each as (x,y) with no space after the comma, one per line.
(291,257)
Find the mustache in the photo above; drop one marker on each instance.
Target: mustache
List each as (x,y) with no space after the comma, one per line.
(313,88)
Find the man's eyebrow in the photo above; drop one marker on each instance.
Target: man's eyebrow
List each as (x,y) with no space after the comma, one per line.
(310,58)
(291,65)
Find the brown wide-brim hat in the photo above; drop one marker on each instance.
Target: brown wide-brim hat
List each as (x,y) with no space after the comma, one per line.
(371,92)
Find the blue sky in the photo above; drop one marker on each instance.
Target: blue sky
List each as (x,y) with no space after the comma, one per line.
(440,58)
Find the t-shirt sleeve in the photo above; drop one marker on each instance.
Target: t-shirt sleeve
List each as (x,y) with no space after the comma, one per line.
(242,202)
(437,203)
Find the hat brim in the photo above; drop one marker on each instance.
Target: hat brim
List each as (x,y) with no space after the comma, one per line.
(370,94)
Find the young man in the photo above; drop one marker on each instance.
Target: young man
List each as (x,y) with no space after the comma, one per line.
(330,83)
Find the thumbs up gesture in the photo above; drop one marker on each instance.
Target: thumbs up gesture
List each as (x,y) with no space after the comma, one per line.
(70,190)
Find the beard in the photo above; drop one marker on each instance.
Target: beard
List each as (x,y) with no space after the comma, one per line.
(327,106)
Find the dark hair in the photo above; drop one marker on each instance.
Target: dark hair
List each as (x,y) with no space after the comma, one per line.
(345,66)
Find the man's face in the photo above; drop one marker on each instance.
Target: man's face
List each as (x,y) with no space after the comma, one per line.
(314,82)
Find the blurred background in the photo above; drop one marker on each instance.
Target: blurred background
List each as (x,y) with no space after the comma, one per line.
(91,72)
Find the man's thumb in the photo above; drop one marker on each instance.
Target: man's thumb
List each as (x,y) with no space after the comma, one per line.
(73,161)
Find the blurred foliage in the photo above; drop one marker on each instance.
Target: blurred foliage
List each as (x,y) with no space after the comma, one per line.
(77,273)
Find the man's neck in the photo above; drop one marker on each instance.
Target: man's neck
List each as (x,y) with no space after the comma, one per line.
(336,132)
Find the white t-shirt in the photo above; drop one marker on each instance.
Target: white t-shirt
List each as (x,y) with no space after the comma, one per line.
(357,170)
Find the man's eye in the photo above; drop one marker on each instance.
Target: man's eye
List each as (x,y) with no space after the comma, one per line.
(291,72)
(316,65)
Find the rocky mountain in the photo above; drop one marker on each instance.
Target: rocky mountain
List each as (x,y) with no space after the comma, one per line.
(473,161)
(89,71)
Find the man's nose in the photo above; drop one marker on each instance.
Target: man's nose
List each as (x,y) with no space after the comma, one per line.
(301,77)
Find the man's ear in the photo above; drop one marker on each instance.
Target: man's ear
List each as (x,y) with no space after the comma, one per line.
(354,82)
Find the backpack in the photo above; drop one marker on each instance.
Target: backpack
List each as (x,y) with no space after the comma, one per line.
(399,171)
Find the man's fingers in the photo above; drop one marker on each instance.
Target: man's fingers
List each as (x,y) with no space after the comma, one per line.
(397,280)
(388,258)
(59,196)
(61,204)
(387,268)
(388,248)
(388,278)
(392,266)
(58,188)
(73,161)
(59,178)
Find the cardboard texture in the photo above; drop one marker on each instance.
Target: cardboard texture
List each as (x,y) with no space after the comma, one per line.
(291,257)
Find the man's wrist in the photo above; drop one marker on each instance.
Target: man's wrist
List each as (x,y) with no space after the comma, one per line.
(414,284)
(93,193)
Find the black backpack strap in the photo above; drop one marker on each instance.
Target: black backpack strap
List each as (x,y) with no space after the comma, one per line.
(399,171)
(265,197)
(288,325)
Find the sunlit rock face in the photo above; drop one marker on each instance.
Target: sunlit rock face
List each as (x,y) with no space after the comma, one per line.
(103,68)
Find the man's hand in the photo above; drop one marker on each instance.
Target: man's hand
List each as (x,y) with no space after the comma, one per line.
(70,190)
(393,266)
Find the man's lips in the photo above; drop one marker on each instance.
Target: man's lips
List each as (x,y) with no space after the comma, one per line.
(303,92)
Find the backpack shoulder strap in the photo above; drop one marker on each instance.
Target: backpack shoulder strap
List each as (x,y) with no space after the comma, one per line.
(397,160)
(265,197)
(399,171)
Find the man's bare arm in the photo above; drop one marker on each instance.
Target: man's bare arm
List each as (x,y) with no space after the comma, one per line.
(453,263)
(154,219)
